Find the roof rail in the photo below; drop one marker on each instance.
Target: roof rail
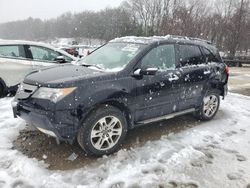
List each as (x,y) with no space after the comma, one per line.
(190,38)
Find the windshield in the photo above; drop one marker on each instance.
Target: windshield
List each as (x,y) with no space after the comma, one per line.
(112,56)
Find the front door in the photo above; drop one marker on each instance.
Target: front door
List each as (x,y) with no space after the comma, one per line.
(158,95)
(42,57)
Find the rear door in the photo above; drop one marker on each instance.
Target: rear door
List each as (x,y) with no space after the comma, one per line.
(195,73)
(158,95)
(14,64)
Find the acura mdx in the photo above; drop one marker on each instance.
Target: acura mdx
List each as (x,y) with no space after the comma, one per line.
(128,82)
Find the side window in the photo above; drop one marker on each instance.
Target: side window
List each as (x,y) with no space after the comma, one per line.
(68,59)
(161,57)
(190,55)
(15,51)
(209,56)
(43,54)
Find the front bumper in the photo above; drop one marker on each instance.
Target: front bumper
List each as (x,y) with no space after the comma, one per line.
(59,124)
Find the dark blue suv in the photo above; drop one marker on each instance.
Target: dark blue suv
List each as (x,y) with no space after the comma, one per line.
(126,83)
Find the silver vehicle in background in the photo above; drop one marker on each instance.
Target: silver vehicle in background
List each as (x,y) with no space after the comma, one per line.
(18,58)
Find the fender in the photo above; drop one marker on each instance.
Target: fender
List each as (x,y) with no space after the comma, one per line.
(117,97)
(216,81)
(212,85)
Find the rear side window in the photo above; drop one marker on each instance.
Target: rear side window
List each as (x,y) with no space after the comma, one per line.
(161,57)
(14,51)
(210,57)
(190,55)
(43,54)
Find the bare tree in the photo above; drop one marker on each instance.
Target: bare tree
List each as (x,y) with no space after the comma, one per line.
(224,22)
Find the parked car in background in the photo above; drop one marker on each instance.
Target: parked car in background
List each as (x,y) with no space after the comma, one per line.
(79,50)
(70,50)
(84,50)
(126,83)
(18,58)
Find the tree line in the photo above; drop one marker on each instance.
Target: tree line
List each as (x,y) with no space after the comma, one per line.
(224,22)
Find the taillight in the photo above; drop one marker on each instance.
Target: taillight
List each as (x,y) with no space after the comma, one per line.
(227,69)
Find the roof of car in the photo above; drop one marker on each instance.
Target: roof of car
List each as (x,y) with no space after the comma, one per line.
(169,38)
(23,42)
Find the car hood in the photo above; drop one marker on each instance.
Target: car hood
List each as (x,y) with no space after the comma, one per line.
(60,75)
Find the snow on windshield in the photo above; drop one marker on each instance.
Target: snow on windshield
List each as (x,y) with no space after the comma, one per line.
(113,56)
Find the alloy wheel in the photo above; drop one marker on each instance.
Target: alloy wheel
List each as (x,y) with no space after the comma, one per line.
(210,105)
(106,133)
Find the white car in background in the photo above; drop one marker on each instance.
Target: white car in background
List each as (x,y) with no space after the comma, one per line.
(18,58)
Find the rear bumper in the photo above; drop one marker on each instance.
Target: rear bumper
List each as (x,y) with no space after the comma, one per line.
(50,123)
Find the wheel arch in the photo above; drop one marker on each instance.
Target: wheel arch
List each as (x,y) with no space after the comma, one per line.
(115,103)
(215,86)
(210,86)
(124,109)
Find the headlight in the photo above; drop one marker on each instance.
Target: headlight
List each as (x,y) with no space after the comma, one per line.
(53,94)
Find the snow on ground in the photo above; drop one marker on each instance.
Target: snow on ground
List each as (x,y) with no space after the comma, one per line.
(239,78)
(213,154)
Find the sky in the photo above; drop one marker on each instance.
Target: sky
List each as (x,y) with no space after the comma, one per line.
(11,10)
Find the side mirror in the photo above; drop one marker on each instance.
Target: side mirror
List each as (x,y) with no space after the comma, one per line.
(145,71)
(60,59)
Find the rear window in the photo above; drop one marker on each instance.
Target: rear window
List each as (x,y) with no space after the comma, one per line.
(210,57)
(190,55)
(15,51)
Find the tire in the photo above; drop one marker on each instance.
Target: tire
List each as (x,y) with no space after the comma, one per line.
(2,90)
(209,107)
(96,137)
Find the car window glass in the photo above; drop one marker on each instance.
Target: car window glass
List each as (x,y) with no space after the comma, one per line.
(161,57)
(210,57)
(15,51)
(190,55)
(68,59)
(113,56)
(43,54)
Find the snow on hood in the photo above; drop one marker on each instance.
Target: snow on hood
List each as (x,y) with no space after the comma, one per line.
(203,156)
(60,74)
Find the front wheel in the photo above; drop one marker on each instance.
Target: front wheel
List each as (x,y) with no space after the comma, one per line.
(103,131)
(1,90)
(209,107)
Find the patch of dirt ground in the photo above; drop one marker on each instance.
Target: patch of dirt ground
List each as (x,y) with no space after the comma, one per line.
(35,144)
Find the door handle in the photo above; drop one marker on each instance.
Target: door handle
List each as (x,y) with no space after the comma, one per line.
(173,77)
(207,71)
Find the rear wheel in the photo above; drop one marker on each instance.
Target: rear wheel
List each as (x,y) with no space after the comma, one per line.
(103,131)
(209,107)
